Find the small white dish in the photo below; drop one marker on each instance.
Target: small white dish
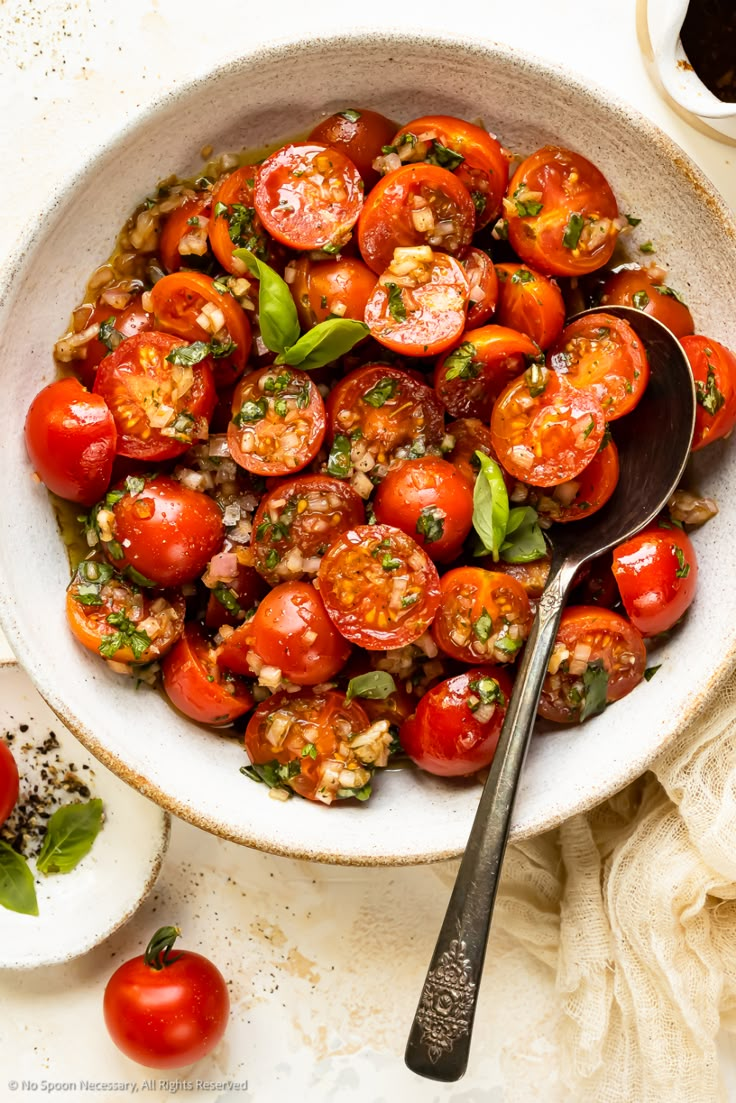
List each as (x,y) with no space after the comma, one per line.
(77,910)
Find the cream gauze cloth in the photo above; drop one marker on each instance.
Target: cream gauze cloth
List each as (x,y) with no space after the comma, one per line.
(612,961)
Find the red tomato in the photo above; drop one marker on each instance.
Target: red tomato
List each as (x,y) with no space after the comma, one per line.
(545,431)
(113,617)
(71,438)
(474,155)
(642,289)
(656,572)
(9,782)
(198,687)
(423,314)
(278,421)
(360,135)
(431,501)
(165,531)
(308,196)
(313,735)
(471,377)
(602,354)
(457,723)
(483,616)
(380,589)
(166,1010)
(471,436)
(482,287)
(530,303)
(384,411)
(184,233)
(189,305)
(714,371)
(234,223)
(134,319)
(596,584)
(587,493)
(292,631)
(416,205)
(244,586)
(327,288)
(296,523)
(154,420)
(562,215)
(589,638)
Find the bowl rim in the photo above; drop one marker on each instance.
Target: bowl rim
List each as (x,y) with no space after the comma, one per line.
(22,251)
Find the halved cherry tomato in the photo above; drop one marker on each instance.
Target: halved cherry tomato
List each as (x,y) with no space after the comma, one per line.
(291,631)
(543,430)
(160,408)
(278,421)
(714,371)
(592,645)
(9,782)
(384,410)
(233,596)
(184,233)
(399,705)
(530,303)
(602,354)
(422,314)
(195,683)
(311,734)
(587,492)
(308,196)
(296,523)
(474,155)
(562,215)
(471,436)
(482,286)
(416,205)
(457,723)
(234,223)
(71,439)
(431,501)
(379,587)
(163,530)
(133,319)
(189,305)
(483,616)
(656,573)
(115,618)
(360,135)
(642,289)
(330,288)
(469,380)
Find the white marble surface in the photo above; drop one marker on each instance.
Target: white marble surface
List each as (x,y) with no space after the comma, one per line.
(325,963)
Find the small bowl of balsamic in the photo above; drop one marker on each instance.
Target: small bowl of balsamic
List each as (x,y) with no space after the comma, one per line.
(694,46)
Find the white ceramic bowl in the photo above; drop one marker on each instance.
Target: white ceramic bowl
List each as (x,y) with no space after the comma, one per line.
(272,94)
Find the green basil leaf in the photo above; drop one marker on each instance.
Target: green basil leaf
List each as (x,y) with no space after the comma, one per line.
(490,505)
(17,887)
(277,315)
(664,290)
(69,836)
(376,686)
(651,671)
(640,299)
(431,524)
(381,393)
(524,540)
(460,364)
(595,690)
(573,230)
(339,462)
(351,115)
(188,355)
(274,774)
(328,341)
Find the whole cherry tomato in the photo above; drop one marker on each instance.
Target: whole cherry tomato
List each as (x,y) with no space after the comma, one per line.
(166,1009)
(71,439)
(324,289)
(431,501)
(530,303)
(714,371)
(457,723)
(9,782)
(195,683)
(644,290)
(656,572)
(234,223)
(291,631)
(360,135)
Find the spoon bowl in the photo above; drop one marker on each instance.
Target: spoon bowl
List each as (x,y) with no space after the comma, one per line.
(654,442)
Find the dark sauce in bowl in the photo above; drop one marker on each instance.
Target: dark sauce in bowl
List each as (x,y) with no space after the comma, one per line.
(708,38)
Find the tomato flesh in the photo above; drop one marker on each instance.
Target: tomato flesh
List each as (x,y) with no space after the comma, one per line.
(291,631)
(184,233)
(601,354)
(430,501)
(587,493)
(278,421)
(472,376)
(483,616)
(714,371)
(234,223)
(656,573)
(482,287)
(426,313)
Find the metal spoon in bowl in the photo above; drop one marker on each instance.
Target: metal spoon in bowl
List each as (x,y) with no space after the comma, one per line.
(654,441)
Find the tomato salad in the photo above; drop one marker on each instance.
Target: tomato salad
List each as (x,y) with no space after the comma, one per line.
(325,410)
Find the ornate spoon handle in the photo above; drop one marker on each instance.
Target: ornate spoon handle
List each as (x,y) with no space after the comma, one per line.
(439,1041)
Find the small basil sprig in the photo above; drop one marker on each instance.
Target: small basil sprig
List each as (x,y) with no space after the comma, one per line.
(70,833)
(376,686)
(490,506)
(595,690)
(279,323)
(524,541)
(17,888)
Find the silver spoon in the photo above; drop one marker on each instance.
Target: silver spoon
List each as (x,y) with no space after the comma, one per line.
(654,442)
